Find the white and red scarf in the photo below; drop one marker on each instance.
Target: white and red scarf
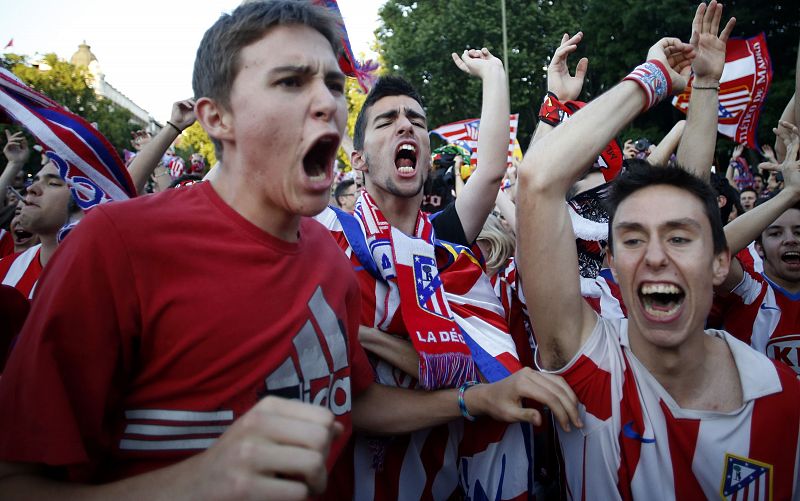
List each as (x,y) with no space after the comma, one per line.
(455,293)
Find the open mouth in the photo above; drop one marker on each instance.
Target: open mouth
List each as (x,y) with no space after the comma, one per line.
(318,161)
(21,236)
(791,257)
(661,300)
(405,159)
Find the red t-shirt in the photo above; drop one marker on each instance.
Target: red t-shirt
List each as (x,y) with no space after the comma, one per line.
(6,243)
(161,320)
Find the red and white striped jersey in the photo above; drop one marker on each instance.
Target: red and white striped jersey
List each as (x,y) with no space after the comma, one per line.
(6,243)
(764,315)
(637,443)
(22,270)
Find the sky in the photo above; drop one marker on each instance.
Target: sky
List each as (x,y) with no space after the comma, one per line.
(146,48)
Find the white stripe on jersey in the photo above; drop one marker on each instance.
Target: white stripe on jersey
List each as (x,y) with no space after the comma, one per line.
(20,265)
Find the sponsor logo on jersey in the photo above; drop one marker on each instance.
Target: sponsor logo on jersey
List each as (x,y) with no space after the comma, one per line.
(318,371)
(785,349)
(745,478)
(629,432)
(765,306)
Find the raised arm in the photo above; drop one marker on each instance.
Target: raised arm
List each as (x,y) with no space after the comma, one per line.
(476,200)
(546,243)
(747,227)
(788,116)
(661,153)
(696,150)
(148,158)
(559,82)
(17,153)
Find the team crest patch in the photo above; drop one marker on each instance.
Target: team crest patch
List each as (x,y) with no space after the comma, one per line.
(430,293)
(745,478)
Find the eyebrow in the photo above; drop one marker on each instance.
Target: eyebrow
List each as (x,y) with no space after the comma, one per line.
(393,114)
(668,225)
(304,69)
(48,177)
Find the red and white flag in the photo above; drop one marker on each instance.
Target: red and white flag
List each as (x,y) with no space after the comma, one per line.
(465,133)
(742,89)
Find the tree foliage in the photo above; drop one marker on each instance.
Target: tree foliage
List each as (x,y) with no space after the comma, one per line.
(195,140)
(70,86)
(416,40)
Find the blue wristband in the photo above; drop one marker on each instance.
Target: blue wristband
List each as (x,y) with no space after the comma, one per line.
(463,406)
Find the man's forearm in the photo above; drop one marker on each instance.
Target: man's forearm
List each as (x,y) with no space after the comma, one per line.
(477,196)
(747,227)
(7,177)
(696,149)
(555,164)
(145,162)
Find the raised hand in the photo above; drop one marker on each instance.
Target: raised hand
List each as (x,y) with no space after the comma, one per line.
(183,113)
(477,62)
(769,153)
(565,86)
(709,48)
(737,152)
(16,149)
(789,135)
(676,57)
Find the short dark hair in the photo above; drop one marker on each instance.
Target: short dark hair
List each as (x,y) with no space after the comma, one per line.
(640,174)
(748,188)
(384,87)
(217,62)
(341,187)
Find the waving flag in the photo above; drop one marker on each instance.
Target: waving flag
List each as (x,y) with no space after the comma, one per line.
(85,159)
(742,89)
(365,72)
(465,133)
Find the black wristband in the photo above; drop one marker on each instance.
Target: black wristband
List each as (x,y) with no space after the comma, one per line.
(175,127)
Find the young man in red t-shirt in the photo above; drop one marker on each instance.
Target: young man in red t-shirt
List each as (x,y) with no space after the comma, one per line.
(132,385)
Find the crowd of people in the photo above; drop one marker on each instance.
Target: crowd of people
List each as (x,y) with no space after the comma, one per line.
(591,322)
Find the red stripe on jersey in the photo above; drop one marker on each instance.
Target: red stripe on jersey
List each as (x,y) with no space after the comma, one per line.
(592,385)
(769,415)
(6,243)
(682,435)
(387,485)
(432,456)
(630,408)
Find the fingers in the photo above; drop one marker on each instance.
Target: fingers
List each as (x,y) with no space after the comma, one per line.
(769,166)
(716,17)
(553,392)
(726,32)
(697,22)
(459,62)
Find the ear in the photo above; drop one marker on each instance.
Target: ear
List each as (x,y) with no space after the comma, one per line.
(720,267)
(358,161)
(760,249)
(214,118)
(610,259)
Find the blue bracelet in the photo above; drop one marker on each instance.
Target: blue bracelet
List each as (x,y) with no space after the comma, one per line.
(463,406)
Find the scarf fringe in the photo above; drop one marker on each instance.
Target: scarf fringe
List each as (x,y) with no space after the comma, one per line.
(445,370)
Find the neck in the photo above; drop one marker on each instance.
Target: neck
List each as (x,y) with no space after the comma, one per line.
(792,287)
(49,245)
(681,370)
(237,191)
(400,212)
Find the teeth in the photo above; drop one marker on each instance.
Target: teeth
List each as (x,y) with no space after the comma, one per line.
(405,170)
(317,177)
(660,289)
(660,312)
(409,147)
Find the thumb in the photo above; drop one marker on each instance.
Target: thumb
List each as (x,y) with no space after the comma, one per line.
(580,70)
